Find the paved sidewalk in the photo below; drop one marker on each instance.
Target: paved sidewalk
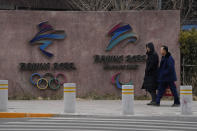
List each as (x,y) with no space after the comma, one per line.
(95,107)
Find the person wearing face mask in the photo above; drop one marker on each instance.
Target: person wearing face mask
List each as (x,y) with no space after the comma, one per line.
(151,71)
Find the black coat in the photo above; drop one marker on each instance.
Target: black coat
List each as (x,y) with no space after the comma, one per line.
(151,71)
(167,71)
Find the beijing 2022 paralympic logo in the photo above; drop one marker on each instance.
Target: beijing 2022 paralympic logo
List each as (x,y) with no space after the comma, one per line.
(45,36)
(119,33)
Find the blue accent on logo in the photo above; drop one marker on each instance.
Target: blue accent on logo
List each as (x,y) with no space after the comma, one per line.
(45,37)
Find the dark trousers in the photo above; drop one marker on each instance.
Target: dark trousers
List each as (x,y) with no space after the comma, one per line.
(153,95)
(162,88)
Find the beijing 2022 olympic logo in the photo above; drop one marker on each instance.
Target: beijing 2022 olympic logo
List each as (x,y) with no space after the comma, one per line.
(45,36)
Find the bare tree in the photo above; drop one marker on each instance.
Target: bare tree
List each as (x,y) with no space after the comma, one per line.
(91,5)
(113,5)
(133,4)
(188,8)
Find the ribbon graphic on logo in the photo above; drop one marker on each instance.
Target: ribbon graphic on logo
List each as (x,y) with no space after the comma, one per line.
(46,35)
(119,33)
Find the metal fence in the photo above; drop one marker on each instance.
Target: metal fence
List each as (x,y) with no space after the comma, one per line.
(189,76)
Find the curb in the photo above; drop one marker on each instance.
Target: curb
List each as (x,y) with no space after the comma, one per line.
(112,115)
(40,115)
(73,115)
(23,115)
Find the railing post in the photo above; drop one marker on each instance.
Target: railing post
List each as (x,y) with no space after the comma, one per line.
(128,99)
(69,97)
(186,100)
(3,95)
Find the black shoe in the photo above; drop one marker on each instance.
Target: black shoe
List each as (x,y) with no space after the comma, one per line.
(155,104)
(151,103)
(175,105)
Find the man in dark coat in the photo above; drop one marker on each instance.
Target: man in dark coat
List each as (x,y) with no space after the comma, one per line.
(150,78)
(167,77)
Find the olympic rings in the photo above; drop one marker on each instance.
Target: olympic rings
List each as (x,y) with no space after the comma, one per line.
(31,78)
(49,82)
(64,77)
(48,74)
(56,81)
(39,81)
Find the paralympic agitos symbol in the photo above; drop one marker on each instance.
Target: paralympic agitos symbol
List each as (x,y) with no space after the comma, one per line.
(119,33)
(116,81)
(45,36)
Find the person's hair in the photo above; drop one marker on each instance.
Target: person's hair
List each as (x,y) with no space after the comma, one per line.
(165,48)
(149,43)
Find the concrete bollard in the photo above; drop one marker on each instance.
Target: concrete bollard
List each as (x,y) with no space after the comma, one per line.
(186,100)
(127,99)
(3,95)
(69,97)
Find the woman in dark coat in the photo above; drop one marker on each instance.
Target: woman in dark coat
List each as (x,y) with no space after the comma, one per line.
(151,71)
